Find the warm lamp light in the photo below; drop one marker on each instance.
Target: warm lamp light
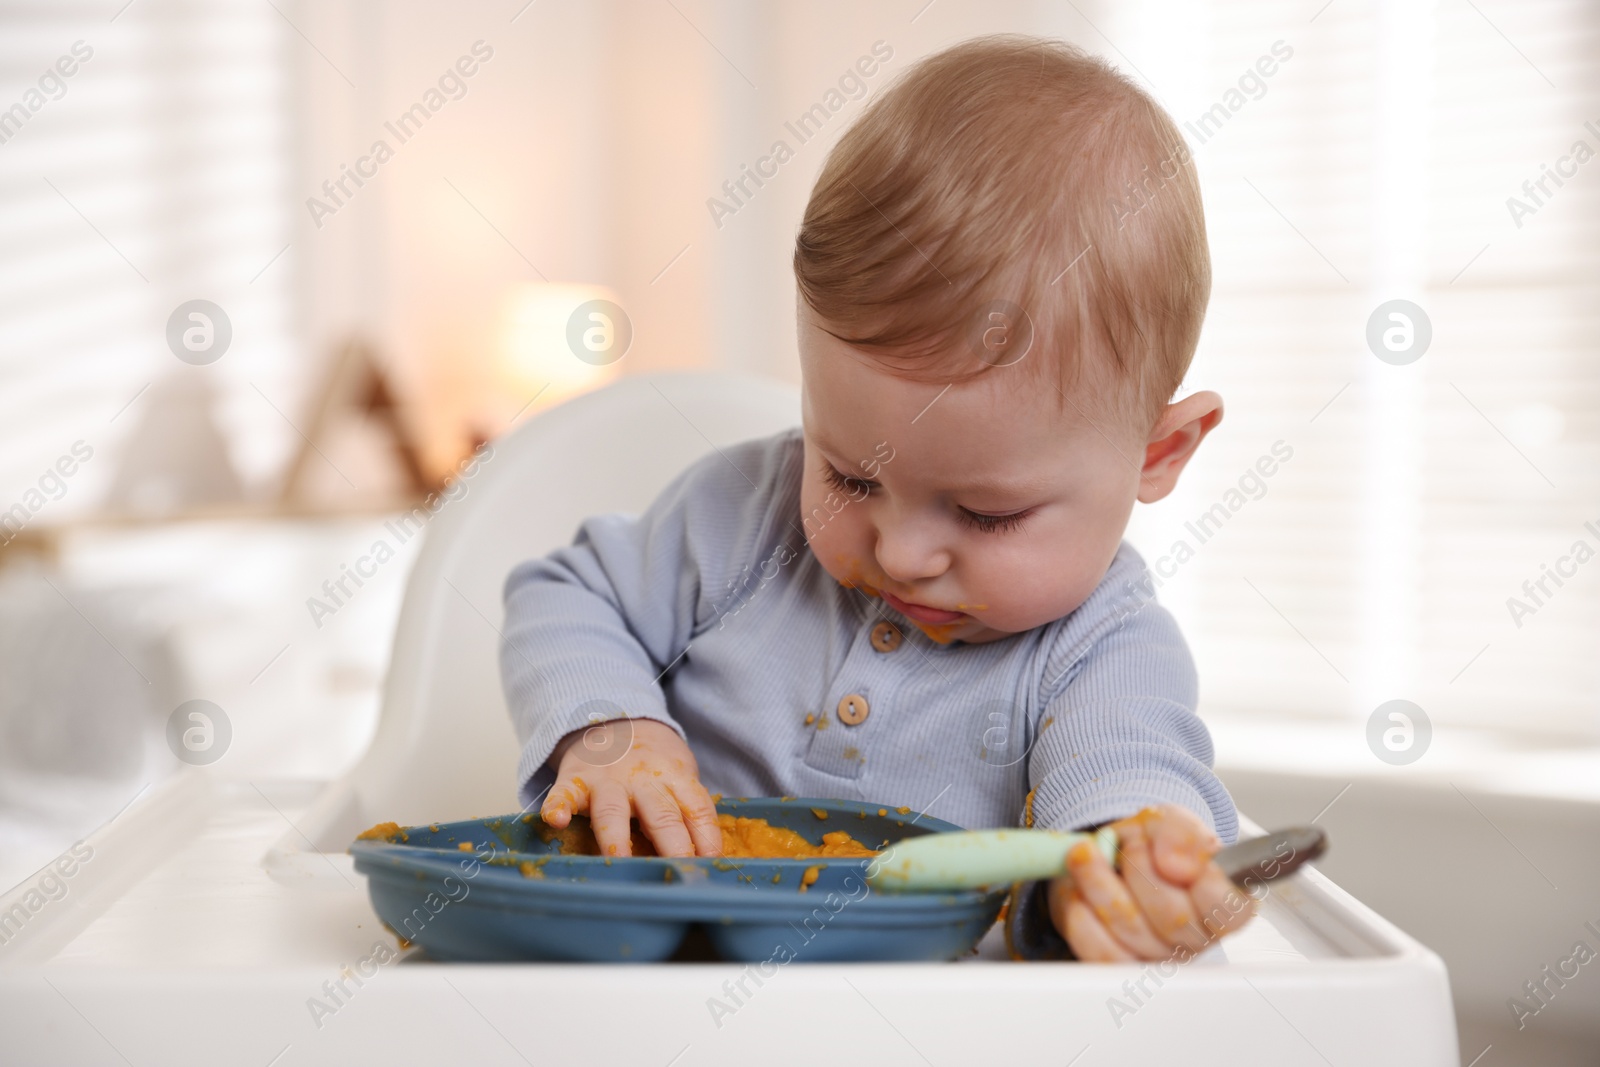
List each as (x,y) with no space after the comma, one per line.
(544,327)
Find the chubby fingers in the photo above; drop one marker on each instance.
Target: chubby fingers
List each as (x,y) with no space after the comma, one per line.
(1181,845)
(663,821)
(1106,895)
(1222,906)
(1167,907)
(700,814)
(610,815)
(1075,920)
(568,797)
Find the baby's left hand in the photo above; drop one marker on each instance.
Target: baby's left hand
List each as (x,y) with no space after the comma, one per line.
(1170,900)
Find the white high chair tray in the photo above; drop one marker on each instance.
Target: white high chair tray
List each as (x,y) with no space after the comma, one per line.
(175,946)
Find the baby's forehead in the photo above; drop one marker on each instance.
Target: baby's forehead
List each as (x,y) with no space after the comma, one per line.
(1064,376)
(1000,412)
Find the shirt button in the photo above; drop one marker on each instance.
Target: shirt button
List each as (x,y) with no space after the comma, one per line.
(853,710)
(886,637)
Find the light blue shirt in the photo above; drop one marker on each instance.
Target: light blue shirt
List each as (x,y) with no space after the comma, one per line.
(709,613)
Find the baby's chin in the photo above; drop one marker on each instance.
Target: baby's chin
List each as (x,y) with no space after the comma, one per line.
(967,631)
(999,620)
(970,630)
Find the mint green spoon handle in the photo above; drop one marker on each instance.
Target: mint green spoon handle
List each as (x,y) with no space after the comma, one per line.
(974,859)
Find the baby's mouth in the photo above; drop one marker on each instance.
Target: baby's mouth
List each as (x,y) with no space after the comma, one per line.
(921,612)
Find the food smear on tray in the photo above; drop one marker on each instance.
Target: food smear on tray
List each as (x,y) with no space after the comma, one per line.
(759,839)
(384,831)
(577,838)
(742,838)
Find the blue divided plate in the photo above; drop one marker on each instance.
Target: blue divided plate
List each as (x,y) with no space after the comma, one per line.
(478,904)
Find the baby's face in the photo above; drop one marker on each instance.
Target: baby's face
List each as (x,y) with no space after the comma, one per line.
(992,510)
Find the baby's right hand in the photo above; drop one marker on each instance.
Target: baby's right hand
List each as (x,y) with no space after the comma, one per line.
(655,777)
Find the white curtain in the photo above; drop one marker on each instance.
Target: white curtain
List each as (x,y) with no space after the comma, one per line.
(1375,162)
(158,172)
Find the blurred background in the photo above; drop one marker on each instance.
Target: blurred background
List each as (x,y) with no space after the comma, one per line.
(271,270)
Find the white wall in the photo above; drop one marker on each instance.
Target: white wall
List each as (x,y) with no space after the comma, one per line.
(592,141)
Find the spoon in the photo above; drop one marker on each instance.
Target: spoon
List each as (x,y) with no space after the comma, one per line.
(1024,859)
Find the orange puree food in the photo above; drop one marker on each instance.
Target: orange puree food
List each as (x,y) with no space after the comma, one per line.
(758,839)
(577,839)
(384,831)
(741,839)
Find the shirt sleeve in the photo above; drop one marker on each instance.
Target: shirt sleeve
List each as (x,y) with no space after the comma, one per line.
(1118,731)
(592,627)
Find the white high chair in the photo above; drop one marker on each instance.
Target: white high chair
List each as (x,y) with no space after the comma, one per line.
(201,931)
(445,748)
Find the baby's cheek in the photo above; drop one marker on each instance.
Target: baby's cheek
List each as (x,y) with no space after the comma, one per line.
(1023,590)
(841,545)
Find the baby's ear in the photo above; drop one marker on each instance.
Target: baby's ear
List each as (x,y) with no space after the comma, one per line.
(1173,440)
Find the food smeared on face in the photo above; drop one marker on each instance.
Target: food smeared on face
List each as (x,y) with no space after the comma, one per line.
(940,632)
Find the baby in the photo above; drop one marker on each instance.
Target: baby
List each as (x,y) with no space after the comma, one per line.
(921,596)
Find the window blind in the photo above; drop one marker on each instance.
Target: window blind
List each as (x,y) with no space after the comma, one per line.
(156,173)
(1376,163)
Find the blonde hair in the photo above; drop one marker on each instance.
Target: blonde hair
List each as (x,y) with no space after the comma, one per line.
(1019,170)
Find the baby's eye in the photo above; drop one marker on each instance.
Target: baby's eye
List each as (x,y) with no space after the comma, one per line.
(855,488)
(992,523)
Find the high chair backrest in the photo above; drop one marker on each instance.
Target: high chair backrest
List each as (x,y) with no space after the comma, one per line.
(445,748)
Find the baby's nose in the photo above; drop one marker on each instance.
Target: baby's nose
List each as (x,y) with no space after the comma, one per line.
(908,555)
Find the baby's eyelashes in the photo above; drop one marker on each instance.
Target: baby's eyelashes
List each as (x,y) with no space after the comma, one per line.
(992,523)
(856,488)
